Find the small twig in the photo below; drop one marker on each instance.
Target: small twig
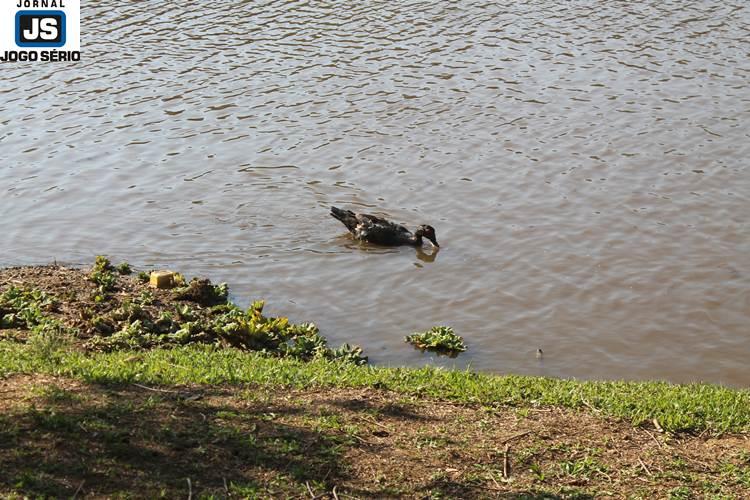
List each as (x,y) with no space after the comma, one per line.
(80,486)
(653,437)
(492,476)
(361,440)
(374,422)
(590,407)
(703,464)
(312,493)
(644,467)
(226,486)
(190,489)
(512,438)
(333,492)
(325,494)
(506,462)
(155,389)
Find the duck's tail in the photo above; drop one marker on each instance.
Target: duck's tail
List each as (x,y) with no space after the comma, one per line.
(347,217)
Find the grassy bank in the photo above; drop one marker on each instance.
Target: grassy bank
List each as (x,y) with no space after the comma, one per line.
(674,408)
(110,388)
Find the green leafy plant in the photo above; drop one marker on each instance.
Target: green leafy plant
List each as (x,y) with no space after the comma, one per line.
(348,353)
(585,467)
(133,326)
(440,339)
(536,469)
(145,298)
(24,308)
(124,268)
(103,275)
(102,263)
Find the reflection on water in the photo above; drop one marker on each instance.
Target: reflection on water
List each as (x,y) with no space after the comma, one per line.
(585,168)
(428,256)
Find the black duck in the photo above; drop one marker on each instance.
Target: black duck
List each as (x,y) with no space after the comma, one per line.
(380,231)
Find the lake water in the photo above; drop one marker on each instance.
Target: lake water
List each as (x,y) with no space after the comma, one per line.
(585,165)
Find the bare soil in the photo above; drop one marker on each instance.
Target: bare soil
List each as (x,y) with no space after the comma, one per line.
(61,437)
(77,306)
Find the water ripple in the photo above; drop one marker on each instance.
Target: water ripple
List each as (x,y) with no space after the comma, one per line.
(585,168)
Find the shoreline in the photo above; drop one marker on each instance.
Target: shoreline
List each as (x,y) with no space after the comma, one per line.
(410,432)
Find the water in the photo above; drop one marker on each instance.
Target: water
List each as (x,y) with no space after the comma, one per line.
(586,170)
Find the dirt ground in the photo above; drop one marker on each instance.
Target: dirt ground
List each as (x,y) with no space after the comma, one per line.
(76,306)
(61,437)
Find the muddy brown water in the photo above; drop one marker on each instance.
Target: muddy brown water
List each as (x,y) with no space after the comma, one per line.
(585,165)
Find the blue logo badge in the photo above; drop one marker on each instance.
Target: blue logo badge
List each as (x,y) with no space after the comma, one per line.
(40,28)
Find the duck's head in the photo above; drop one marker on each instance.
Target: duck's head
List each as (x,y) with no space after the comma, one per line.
(429,233)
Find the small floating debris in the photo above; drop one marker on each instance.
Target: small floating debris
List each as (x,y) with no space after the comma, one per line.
(439,339)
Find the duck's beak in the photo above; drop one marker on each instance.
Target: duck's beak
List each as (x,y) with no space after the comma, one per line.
(434,242)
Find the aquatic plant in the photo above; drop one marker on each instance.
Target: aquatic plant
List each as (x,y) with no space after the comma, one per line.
(103,275)
(124,268)
(102,264)
(146,298)
(440,339)
(24,308)
(133,326)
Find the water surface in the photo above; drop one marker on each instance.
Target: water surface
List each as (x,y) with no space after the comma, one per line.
(586,169)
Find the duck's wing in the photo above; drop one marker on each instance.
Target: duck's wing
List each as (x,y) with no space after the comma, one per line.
(380,231)
(370,219)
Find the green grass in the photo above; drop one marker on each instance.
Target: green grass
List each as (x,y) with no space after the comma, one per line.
(677,408)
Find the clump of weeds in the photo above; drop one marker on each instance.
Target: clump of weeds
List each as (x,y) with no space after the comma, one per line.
(440,339)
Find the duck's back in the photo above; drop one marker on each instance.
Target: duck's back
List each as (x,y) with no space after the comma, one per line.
(374,229)
(381,231)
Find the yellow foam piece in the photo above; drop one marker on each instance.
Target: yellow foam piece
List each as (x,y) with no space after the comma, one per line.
(162,279)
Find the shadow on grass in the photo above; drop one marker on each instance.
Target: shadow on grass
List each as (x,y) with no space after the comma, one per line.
(104,440)
(70,438)
(379,408)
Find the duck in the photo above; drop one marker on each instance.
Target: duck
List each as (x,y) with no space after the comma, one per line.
(374,229)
